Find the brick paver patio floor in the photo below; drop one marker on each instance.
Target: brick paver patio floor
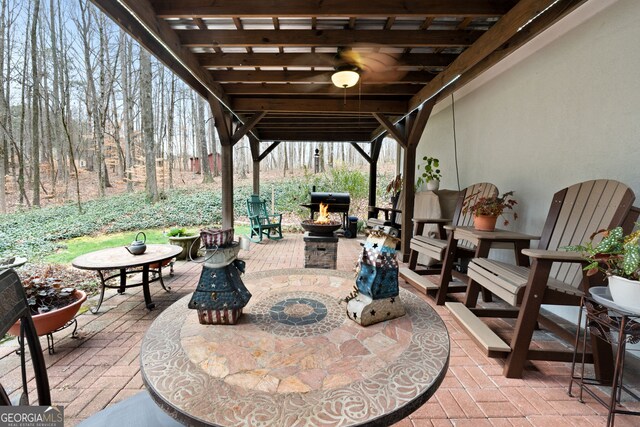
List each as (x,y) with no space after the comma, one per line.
(102,367)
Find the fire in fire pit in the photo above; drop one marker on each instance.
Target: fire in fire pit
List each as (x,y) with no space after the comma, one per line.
(323,225)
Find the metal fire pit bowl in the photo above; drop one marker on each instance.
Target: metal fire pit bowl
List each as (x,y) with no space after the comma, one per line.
(312,227)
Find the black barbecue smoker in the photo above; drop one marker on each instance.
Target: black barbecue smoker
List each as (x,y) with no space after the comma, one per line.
(337,203)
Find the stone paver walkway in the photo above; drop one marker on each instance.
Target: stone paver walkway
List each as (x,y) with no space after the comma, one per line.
(102,367)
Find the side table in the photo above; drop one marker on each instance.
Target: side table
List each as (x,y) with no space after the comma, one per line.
(604,319)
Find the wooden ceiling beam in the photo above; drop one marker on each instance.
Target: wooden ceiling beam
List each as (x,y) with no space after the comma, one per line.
(316,105)
(319,127)
(317,77)
(391,128)
(326,8)
(491,40)
(324,89)
(319,38)
(426,60)
(315,120)
(247,127)
(301,135)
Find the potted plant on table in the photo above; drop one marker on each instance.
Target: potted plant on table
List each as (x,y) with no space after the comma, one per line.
(394,187)
(52,302)
(187,240)
(486,210)
(430,175)
(618,257)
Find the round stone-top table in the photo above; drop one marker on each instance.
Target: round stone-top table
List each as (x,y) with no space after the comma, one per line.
(119,258)
(294,358)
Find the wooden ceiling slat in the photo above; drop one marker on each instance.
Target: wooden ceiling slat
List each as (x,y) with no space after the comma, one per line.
(319,127)
(316,120)
(315,105)
(325,8)
(325,89)
(316,137)
(426,60)
(317,77)
(319,38)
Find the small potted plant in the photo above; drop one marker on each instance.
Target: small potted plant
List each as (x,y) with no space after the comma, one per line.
(486,210)
(618,257)
(187,240)
(430,175)
(394,187)
(52,302)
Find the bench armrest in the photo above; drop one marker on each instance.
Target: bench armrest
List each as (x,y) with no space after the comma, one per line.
(559,256)
(431,220)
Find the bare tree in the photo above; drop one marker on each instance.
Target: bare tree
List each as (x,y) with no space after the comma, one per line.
(202,143)
(127,59)
(146,108)
(170,126)
(35,107)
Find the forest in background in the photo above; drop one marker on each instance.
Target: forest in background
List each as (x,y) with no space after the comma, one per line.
(83,110)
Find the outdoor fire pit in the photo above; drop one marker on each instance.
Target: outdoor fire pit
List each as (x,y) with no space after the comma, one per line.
(320,229)
(320,242)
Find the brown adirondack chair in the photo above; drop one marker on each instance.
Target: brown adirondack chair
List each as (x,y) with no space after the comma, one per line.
(555,276)
(436,247)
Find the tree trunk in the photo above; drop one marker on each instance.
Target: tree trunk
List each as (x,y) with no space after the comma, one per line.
(170,125)
(126,107)
(35,115)
(146,108)
(92,107)
(202,143)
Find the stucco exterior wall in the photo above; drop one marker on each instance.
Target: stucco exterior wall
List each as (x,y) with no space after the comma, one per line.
(568,112)
(564,109)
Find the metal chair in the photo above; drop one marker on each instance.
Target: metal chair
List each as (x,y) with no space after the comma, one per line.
(139,410)
(13,308)
(263,223)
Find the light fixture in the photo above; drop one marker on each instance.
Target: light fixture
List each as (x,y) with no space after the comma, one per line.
(345,76)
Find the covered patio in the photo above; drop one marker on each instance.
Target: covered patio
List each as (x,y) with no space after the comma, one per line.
(267,69)
(102,367)
(545,92)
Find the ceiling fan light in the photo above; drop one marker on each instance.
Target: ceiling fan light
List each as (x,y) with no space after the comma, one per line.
(345,78)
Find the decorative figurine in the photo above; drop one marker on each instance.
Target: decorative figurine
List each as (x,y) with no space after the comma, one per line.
(220,295)
(376,298)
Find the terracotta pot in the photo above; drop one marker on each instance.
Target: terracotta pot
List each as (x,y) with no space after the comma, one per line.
(186,243)
(625,292)
(484,222)
(55,319)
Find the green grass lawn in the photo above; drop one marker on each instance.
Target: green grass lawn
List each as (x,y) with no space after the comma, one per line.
(82,245)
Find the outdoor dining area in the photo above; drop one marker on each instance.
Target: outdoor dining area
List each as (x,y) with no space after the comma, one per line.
(523,111)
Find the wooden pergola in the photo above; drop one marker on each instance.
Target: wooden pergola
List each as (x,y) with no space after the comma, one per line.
(265,66)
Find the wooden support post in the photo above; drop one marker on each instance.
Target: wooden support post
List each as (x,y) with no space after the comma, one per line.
(415,125)
(376,145)
(226,147)
(255,156)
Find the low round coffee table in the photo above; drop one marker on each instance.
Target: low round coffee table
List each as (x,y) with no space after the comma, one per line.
(294,358)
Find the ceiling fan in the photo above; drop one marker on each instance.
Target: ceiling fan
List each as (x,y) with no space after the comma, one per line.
(360,63)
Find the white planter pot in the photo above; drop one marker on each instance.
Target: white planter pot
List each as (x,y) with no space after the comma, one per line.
(433,185)
(625,292)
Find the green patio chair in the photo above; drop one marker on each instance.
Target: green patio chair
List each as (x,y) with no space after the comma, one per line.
(261,221)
